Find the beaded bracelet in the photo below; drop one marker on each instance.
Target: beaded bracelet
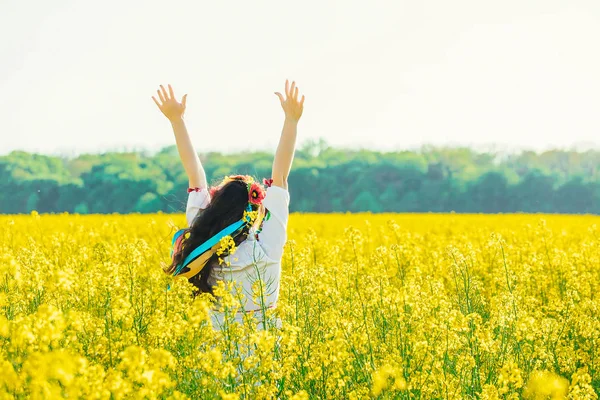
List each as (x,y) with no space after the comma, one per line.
(196,189)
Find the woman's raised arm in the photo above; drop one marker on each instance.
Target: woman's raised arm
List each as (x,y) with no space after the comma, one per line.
(287,143)
(174,110)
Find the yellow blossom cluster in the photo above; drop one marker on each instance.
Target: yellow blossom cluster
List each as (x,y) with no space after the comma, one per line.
(226,247)
(370,306)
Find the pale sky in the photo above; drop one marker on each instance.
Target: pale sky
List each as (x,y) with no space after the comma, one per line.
(78,76)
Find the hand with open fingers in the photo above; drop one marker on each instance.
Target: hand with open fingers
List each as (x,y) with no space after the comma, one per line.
(291,105)
(168,105)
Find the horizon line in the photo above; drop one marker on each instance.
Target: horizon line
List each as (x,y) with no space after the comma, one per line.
(502,148)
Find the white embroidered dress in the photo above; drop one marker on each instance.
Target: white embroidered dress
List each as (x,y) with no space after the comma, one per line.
(254,258)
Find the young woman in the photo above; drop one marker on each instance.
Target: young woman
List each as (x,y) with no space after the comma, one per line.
(238,209)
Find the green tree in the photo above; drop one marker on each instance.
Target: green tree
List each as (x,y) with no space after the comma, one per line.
(365,201)
(324,179)
(148,203)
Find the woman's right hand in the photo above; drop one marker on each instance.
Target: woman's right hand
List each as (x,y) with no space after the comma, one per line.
(291,106)
(168,105)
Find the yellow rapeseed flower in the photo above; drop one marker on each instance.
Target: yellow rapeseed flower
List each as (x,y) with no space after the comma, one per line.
(546,385)
(384,306)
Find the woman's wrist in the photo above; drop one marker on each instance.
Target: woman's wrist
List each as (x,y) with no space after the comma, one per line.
(291,120)
(176,121)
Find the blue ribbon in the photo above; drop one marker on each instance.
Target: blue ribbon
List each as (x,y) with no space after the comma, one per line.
(204,247)
(198,251)
(175,237)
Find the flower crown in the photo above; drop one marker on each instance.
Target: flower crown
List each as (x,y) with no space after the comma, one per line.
(256,193)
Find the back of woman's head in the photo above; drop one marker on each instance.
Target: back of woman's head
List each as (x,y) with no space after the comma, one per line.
(227,206)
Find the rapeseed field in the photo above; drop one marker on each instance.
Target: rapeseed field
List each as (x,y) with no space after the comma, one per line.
(371,306)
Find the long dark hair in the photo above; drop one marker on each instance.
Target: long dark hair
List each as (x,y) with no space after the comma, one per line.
(227,206)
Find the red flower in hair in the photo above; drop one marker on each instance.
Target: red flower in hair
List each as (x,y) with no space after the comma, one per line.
(256,194)
(213,190)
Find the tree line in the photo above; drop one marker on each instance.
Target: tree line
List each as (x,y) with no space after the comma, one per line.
(323,179)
